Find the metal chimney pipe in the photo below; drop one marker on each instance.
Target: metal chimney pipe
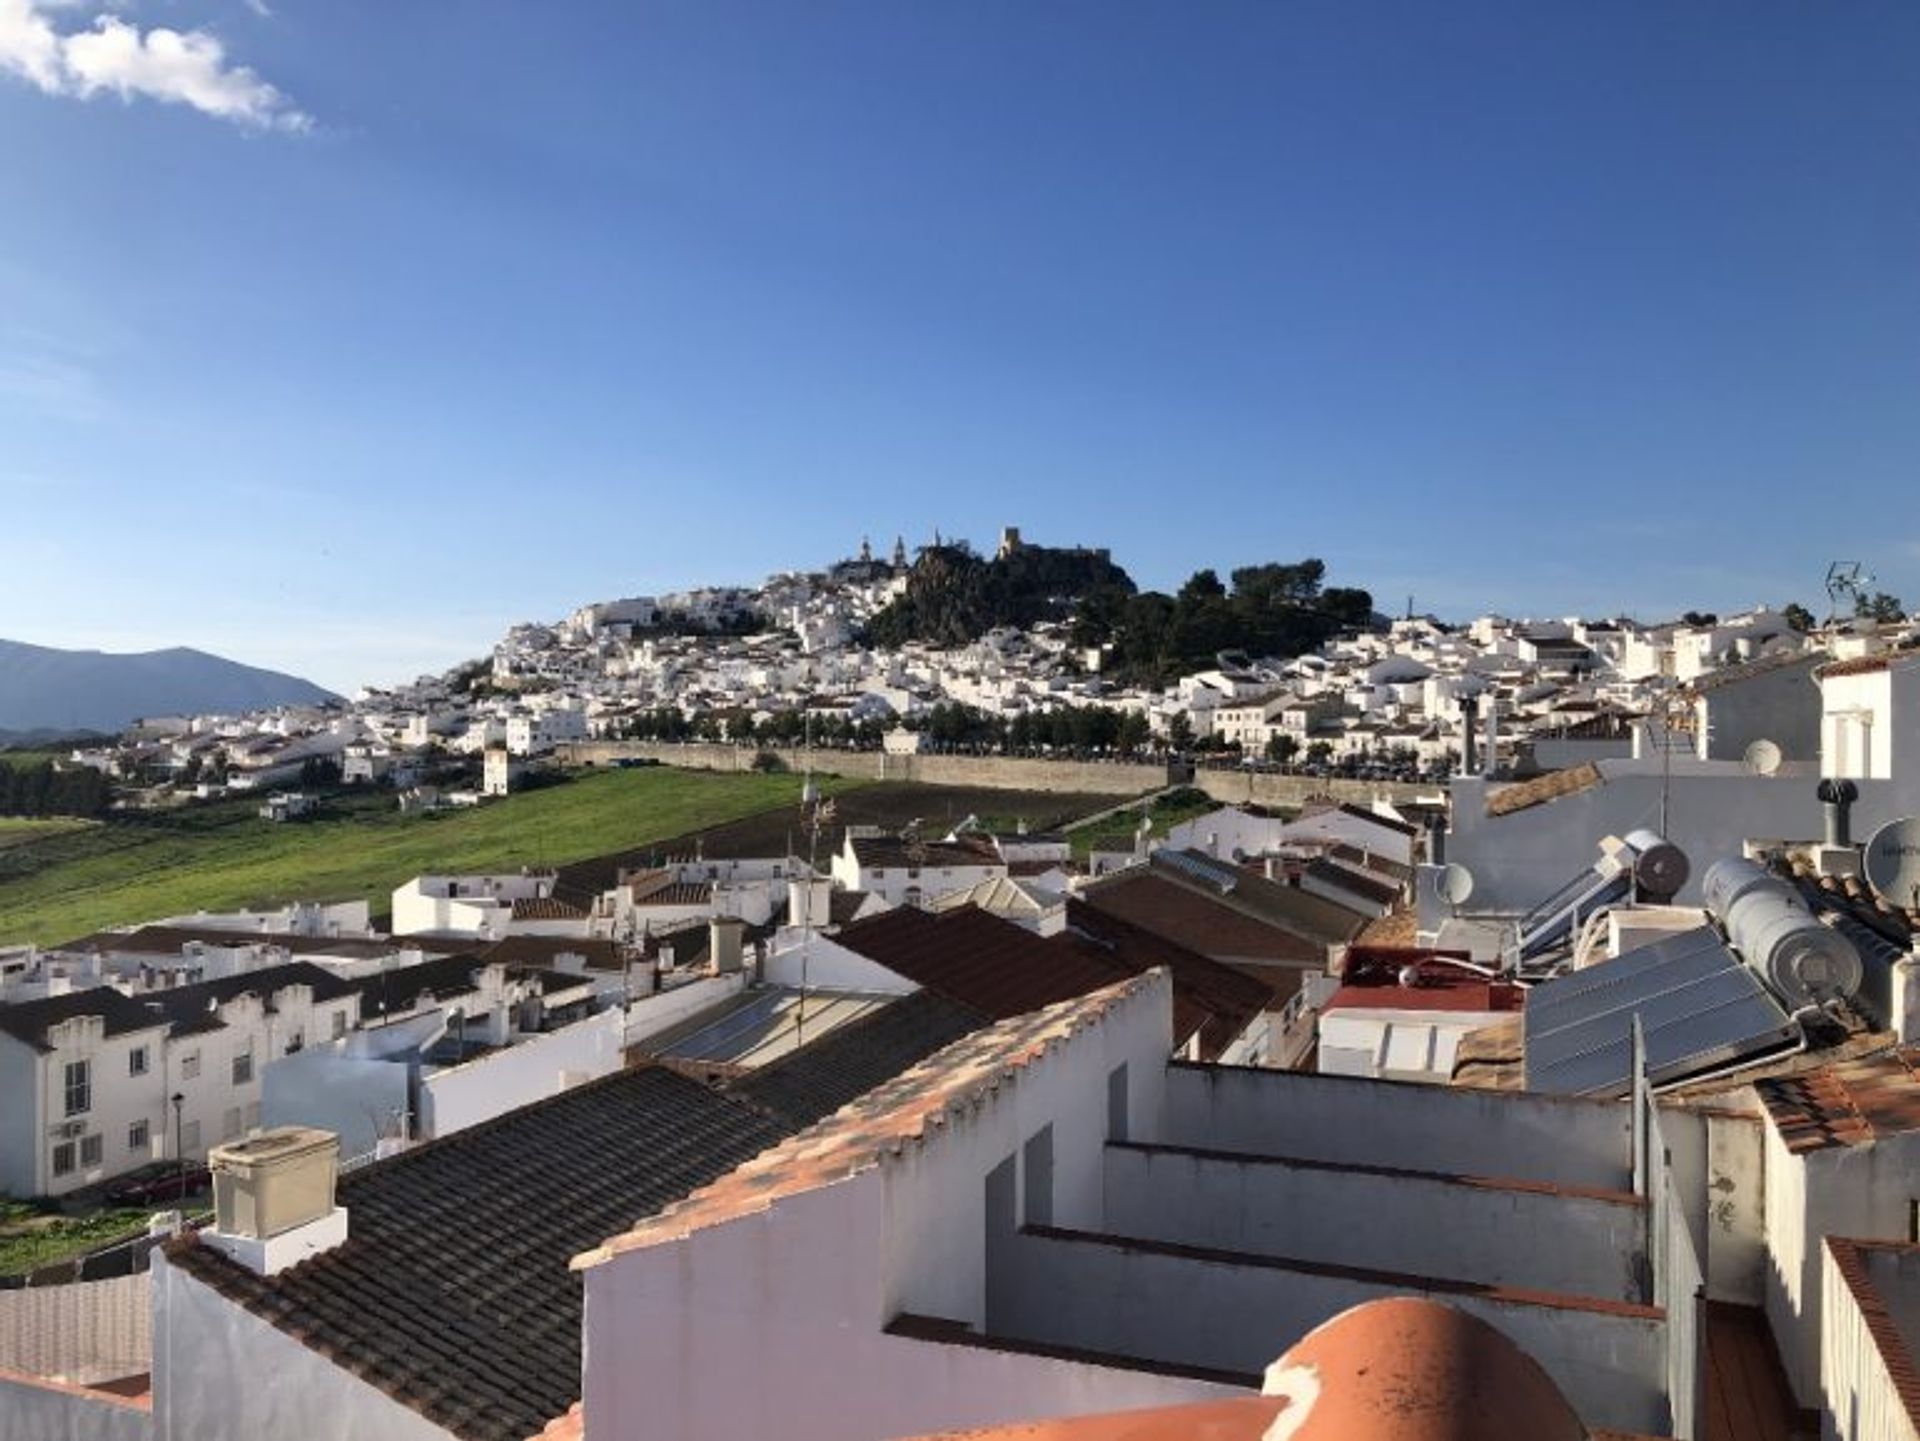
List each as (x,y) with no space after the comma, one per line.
(1837,798)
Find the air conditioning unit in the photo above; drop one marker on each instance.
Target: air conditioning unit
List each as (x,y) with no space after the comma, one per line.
(70,1130)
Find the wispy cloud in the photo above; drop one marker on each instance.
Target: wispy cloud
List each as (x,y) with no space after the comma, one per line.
(115,57)
(51,384)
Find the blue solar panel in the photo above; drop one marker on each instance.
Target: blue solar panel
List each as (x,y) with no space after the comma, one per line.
(1699,1009)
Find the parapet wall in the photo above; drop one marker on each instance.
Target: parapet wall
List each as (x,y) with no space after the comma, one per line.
(1113,778)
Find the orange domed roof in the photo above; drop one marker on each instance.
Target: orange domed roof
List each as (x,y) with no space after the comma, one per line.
(1411,1369)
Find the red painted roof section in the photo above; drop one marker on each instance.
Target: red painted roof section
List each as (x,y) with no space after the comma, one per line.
(1372,982)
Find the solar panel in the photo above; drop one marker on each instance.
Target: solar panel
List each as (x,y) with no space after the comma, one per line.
(1699,1008)
(1201,868)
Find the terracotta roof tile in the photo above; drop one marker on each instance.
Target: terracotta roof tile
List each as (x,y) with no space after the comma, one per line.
(1846,1103)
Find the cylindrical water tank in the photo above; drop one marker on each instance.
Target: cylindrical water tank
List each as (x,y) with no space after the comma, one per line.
(1727,880)
(1660,867)
(1804,961)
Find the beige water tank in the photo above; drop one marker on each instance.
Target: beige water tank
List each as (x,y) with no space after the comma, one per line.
(274,1181)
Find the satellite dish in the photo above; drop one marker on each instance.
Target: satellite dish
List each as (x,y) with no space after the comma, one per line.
(1892,863)
(1763,758)
(1453,884)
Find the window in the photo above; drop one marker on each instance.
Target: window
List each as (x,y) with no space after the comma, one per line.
(296,1041)
(339,1024)
(92,1148)
(139,1138)
(190,1065)
(137,1061)
(230,1123)
(63,1159)
(189,1138)
(1037,1169)
(242,1069)
(79,1087)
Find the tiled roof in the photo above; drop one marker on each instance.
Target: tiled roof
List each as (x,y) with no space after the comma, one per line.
(892,854)
(168,940)
(29,1021)
(1867,664)
(1354,881)
(452,1291)
(1209,924)
(886,1120)
(545,951)
(817,1080)
(1550,787)
(546,908)
(1216,1001)
(399,989)
(1853,1260)
(192,1008)
(1846,1103)
(996,967)
(1727,675)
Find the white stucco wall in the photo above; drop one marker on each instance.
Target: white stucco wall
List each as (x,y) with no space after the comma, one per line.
(650,1015)
(1858,1191)
(222,1374)
(1538,1239)
(1859,1398)
(86,1331)
(1566,1141)
(803,1290)
(831,966)
(1611,1364)
(531,1070)
(1520,858)
(32,1409)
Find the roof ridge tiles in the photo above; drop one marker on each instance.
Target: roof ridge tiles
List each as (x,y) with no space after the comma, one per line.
(886,1121)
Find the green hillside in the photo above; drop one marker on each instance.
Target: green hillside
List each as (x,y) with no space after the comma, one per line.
(65,882)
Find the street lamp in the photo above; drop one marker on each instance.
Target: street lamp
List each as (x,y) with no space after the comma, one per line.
(179,1150)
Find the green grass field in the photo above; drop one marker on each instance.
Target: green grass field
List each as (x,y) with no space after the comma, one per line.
(1118,832)
(83,877)
(25,830)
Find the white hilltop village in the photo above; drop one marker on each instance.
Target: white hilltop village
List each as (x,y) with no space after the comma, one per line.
(785,662)
(1506,1028)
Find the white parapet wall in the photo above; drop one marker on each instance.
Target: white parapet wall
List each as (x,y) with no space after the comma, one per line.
(84,1332)
(528,1071)
(1560,1140)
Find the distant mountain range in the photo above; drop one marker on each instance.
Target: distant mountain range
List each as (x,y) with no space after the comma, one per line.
(45,692)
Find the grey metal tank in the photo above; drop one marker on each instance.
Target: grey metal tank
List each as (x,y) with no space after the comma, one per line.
(1804,961)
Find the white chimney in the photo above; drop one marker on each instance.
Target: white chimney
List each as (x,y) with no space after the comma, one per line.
(725,935)
(273,1198)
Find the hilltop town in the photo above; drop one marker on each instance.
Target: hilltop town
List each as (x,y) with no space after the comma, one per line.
(1547,979)
(792,662)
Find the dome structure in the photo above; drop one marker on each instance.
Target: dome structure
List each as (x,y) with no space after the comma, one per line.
(1412,1369)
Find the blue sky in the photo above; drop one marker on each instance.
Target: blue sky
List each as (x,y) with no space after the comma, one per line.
(337,335)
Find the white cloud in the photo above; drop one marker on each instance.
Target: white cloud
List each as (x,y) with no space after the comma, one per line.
(114,57)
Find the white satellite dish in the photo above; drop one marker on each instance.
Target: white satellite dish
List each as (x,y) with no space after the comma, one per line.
(1892,863)
(1763,758)
(1453,884)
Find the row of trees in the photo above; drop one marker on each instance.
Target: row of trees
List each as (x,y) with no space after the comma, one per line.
(42,790)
